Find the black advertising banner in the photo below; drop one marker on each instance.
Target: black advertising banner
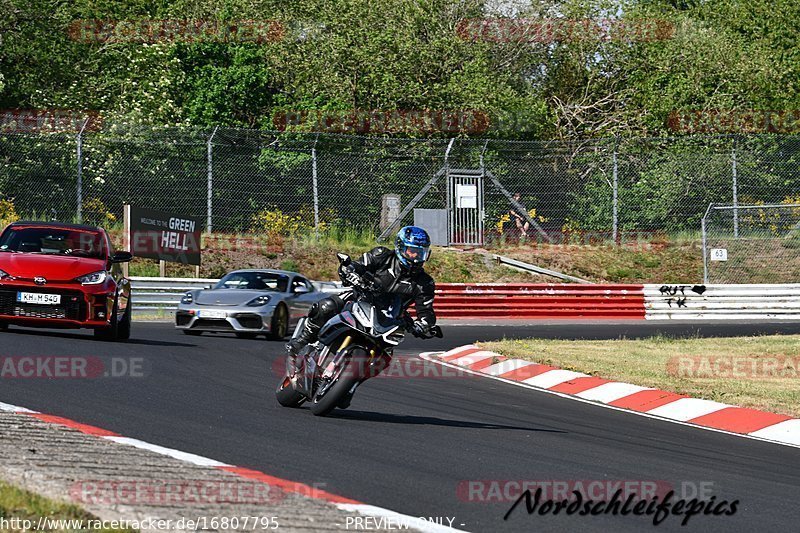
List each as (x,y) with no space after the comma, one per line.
(164,236)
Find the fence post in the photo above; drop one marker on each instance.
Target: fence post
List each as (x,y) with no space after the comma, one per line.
(210,185)
(705,248)
(615,197)
(705,253)
(79,191)
(314,185)
(735,193)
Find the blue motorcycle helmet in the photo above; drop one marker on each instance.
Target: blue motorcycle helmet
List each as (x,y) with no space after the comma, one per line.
(412,247)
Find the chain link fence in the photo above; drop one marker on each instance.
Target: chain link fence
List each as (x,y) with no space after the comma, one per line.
(751,243)
(247,181)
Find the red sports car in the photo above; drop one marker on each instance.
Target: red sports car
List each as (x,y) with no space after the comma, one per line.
(63,276)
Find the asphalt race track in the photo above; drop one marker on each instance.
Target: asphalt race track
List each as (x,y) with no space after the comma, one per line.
(413,444)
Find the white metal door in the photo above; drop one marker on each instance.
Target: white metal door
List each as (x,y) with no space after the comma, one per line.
(465,206)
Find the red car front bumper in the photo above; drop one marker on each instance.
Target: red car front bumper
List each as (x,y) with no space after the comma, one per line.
(81,306)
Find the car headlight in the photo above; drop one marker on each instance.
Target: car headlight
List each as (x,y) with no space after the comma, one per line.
(3,274)
(95,278)
(187,298)
(259,301)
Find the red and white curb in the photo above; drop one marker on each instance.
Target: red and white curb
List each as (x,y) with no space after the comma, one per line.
(646,401)
(342,503)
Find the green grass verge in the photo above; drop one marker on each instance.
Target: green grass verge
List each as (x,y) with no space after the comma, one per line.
(151,316)
(26,505)
(768,375)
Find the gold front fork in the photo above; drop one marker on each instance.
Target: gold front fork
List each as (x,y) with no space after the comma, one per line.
(345,343)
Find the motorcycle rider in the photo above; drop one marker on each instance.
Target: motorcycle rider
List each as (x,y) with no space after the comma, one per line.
(399,272)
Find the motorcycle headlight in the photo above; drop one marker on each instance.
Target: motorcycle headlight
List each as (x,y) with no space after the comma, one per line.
(259,301)
(187,298)
(95,278)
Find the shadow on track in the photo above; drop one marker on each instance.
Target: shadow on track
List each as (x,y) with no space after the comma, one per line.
(370,416)
(70,334)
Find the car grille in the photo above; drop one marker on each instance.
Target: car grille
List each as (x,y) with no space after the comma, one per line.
(211,324)
(250,321)
(68,309)
(183,319)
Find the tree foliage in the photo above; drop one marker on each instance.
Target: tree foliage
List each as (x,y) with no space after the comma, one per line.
(404,54)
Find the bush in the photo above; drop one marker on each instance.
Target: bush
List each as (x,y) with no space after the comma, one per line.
(96,213)
(276,225)
(8,213)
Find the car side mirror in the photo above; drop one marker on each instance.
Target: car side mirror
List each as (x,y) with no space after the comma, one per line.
(122,257)
(301,289)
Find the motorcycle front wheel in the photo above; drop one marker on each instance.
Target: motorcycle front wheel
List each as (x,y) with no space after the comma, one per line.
(348,376)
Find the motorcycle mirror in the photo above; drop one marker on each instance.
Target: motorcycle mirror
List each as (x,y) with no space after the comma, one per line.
(344,259)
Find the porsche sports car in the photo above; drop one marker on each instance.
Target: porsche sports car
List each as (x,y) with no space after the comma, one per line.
(248,303)
(63,276)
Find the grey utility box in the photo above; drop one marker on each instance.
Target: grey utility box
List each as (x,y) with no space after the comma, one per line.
(434,221)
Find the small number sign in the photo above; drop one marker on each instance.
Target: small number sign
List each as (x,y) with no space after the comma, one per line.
(719,254)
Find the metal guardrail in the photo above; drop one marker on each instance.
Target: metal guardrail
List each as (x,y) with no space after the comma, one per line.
(722,302)
(539,301)
(653,302)
(163,294)
(159,295)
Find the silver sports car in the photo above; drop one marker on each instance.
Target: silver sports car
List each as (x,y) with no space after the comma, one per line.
(248,303)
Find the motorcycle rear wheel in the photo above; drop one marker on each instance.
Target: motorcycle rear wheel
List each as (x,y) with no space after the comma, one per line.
(287,396)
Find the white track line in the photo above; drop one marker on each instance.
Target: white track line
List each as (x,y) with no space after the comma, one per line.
(176,454)
(14,409)
(760,435)
(398,520)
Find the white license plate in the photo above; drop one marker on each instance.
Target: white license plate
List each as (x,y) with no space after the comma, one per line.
(210,313)
(38,298)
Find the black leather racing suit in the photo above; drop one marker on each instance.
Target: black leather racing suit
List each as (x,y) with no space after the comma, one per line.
(415,286)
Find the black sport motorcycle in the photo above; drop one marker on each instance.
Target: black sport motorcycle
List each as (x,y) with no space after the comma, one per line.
(353,346)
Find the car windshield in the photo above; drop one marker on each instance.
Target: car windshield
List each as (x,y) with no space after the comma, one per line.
(260,281)
(54,241)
